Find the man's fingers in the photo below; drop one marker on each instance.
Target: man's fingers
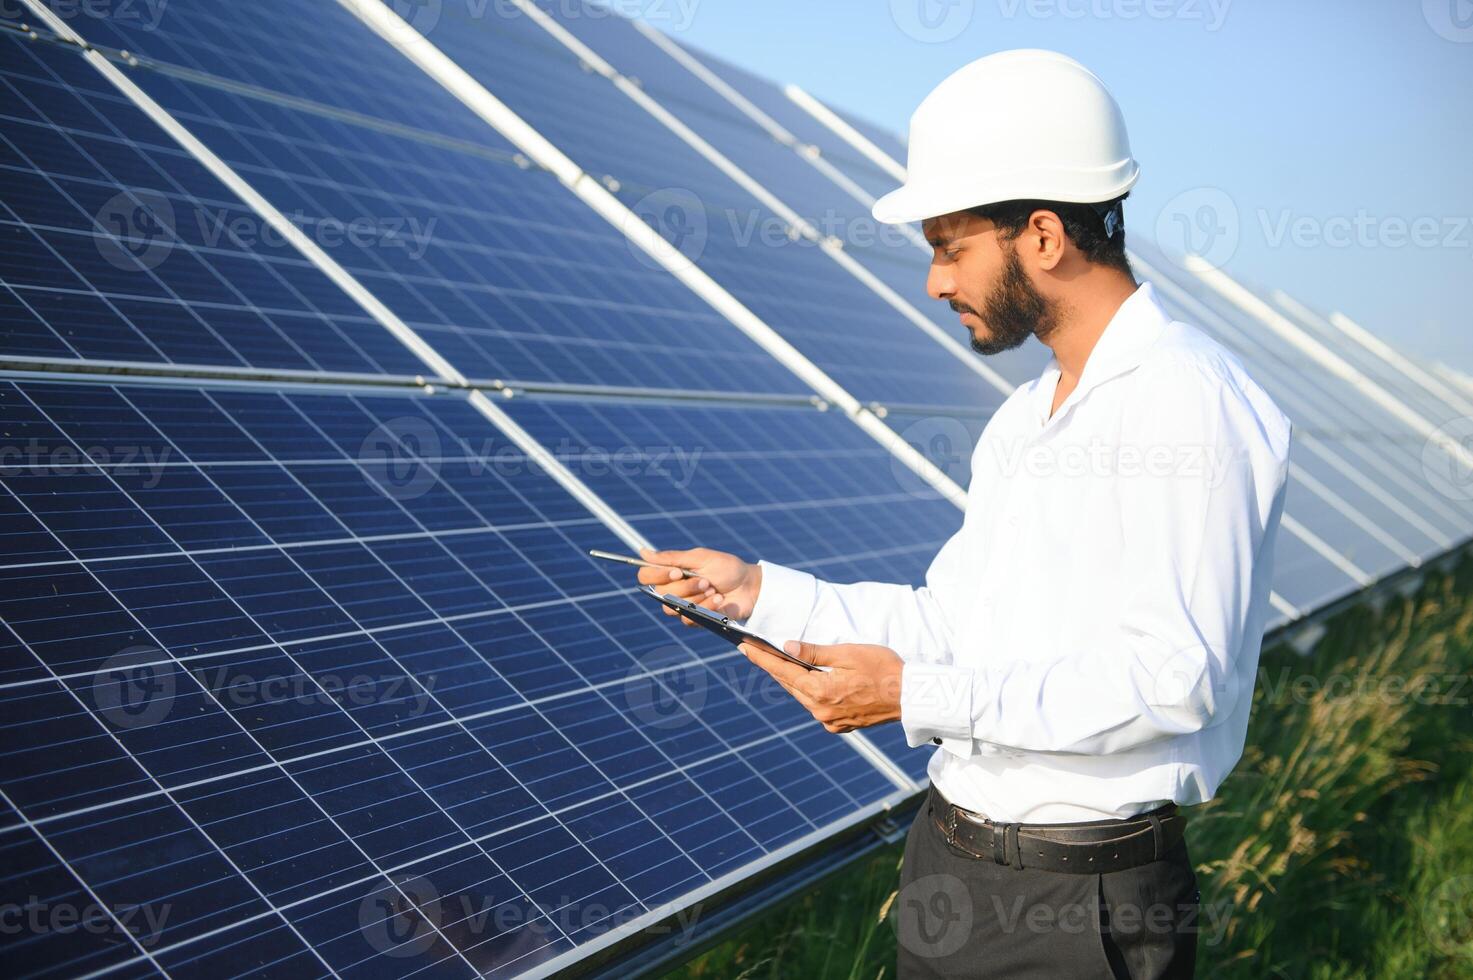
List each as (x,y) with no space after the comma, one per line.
(685,588)
(788,674)
(768,662)
(655,576)
(818,654)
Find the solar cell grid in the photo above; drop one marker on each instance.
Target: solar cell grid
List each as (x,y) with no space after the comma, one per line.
(350,670)
(262,44)
(794,486)
(1433,406)
(505,272)
(829,315)
(98,265)
(833,209)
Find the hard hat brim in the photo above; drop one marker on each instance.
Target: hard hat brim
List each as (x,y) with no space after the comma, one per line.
(910,202)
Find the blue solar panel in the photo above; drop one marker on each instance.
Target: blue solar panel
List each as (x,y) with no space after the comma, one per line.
(897,260)
(502,270)
(829,315)
(103,259)
(297,645)
(1434,407)
(886,141)
(774,102)
(795,486)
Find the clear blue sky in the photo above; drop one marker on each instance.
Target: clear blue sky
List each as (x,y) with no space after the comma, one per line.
(1341,133)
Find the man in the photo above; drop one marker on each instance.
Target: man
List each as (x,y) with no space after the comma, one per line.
(1084,648)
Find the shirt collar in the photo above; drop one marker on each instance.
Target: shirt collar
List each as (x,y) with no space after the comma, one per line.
(1134,328)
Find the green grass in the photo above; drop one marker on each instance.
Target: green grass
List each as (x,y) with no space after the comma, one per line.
(1341,848)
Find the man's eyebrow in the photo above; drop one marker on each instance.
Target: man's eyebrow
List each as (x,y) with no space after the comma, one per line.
(937,238)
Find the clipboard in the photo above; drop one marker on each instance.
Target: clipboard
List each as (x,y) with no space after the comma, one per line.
(722,626)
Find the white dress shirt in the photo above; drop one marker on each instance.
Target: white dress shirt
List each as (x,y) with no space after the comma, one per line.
(1085,646)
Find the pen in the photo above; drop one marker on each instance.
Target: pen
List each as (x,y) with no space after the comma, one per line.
(630,560)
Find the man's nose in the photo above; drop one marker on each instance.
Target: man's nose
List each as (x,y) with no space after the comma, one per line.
(940,284)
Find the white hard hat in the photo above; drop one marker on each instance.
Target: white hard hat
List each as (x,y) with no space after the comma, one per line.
(1017,125)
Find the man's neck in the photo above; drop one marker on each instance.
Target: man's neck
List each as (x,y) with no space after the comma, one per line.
(1084,315)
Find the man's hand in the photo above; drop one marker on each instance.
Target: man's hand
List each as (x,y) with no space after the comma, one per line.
(861,687)
(719,581)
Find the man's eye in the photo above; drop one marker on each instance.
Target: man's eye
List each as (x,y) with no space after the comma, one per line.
(951,253)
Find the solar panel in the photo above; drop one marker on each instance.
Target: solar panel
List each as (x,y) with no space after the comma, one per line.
(493,262)
(827,314)
(315,642)
(103,260)
(1437,406)
(844,213)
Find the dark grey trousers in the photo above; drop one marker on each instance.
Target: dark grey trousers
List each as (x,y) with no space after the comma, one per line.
(957,916)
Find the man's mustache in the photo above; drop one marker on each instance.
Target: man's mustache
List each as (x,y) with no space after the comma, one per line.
(960,307)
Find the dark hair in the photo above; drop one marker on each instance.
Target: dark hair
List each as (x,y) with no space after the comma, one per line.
(1083,223)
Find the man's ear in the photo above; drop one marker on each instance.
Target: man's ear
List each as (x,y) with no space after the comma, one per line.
(1047,238)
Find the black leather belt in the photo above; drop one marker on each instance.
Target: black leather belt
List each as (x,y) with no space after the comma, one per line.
(1096,847)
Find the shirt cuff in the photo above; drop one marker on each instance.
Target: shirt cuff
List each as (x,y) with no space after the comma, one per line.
(784,603)
(936,706)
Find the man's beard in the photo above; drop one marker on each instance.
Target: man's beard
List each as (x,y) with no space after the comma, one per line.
(1013,312)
